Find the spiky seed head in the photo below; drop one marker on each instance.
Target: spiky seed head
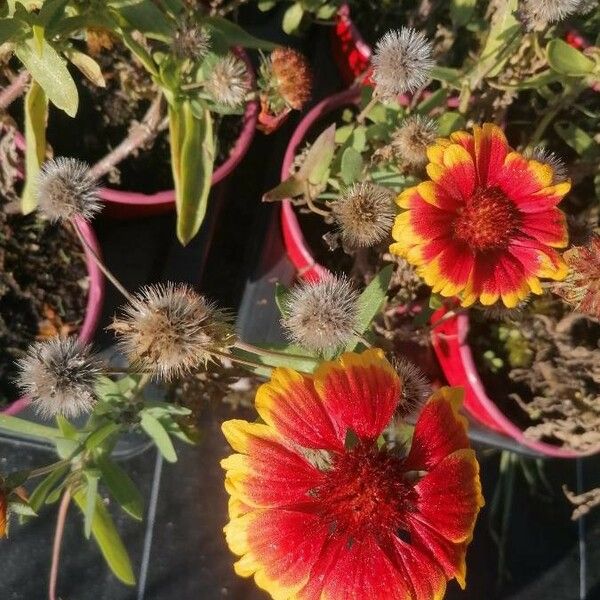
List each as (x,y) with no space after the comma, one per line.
(59,376)
(538,14)
(364,214)
(416,388)
(499,312)
(66,190)
(323,315)
(293,76)
(191,41)
(543,155)
(170,330)
(402,62)
(411,139)
(228,82)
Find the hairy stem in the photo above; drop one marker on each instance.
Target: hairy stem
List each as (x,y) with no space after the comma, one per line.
(14,89)
(139,134)
(58,538)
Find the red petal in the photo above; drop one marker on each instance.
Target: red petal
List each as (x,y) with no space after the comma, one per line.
(430,222)
(360,392)
(548,227)
(439,431)
(491,149)
(450,497)
(290,405)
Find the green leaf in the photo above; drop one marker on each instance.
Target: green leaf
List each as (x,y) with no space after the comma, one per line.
(291,187)
(122,489)
(195,174)
(67,429)
(281,297)
(265,5)
(28,428)
(318,159)
(12,30)
(50,71)
(565,59)
(40,493)
(146,17)
(461,11)
(91,492)
(88,66)
(351,166)
(105,533)
(450,121)
(97,437)
(293,18)
(234,35)
(351,440)
(36,115)
(577,138)
(159,436)
(448,75)
(370,301)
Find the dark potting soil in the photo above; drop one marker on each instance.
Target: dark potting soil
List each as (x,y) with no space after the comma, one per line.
(43,289)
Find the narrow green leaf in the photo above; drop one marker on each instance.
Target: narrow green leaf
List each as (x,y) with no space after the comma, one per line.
(122,489)
(36,115)
(371,299)
(145,16)
(40,493)
(88,66)
(448,75)
(90,501)
(97,437)
(234,35)
(291,187)
(565,59)
(50,71)
(68,431)
(107,537)
(449,122)
(28,428)
(159,436)
(196,169)
(318,159)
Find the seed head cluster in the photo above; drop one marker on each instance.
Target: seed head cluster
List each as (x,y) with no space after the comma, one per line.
(66,190)
(170,330)
(538,14)
(410,140)
(59,376)
(401,63)
(364,214)
(321,316)
(228,82)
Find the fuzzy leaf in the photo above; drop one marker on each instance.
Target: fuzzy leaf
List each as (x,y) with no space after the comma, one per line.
(107,537)
(319,157)
(566,60)
(97,437)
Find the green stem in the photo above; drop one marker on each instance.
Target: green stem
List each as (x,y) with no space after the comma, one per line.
(48,468)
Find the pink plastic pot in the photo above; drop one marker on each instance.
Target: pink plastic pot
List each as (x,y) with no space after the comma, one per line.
(94,302)
(295,244)
(128,204)
(449,340)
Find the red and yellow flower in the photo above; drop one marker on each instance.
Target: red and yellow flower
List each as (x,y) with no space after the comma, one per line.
(486,226)
(315,517)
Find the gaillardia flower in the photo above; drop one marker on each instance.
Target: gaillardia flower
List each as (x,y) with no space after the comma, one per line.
(486,226)
(320,512)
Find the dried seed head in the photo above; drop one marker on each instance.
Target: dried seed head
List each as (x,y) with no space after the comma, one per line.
(499,312)
(293,77)
(538,14)
(59,376)
(401,63)
(364,214)
(170,330)
(581,288)
(191,41)
(410,140)
(66,190)
(228,82)
(543,155)
(321,315)
(416,388)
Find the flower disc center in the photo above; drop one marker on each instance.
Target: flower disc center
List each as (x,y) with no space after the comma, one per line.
(488,220)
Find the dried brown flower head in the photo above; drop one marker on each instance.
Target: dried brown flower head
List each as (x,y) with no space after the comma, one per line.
(293,76)
(410,140)
(59,376)
(401,63)
(66,190)
(170,330)
(228,82)
(416,388)
(322,315)
(364,214)
(581,288)
(191,41)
